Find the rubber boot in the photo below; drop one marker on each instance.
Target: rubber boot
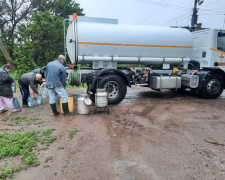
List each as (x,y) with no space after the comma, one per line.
(66,110)
(54,109)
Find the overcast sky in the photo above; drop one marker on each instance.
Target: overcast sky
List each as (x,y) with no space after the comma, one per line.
(157,12)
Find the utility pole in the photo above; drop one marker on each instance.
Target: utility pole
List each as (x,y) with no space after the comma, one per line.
(194,17)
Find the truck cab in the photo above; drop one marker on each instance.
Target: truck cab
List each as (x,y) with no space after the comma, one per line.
(209,48)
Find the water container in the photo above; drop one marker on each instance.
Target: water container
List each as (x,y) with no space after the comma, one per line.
(41,90)
(16,103)
(45,93)
(30,102)
(70,104)
(13,86)
(39,100)
(83,104)
(101,98)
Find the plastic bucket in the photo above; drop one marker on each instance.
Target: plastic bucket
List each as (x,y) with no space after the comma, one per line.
(70,105)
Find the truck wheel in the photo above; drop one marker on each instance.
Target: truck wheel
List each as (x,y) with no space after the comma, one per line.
(212,87)
(115,86)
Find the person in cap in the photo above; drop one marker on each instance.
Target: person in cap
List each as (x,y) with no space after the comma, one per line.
(29,79)
(55,77)
(6,93)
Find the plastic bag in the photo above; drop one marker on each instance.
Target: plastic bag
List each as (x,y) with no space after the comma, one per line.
(45,93)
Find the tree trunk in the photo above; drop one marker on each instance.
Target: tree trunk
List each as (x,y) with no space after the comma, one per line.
(5,52)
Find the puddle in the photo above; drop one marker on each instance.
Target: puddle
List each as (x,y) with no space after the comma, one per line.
(222,95)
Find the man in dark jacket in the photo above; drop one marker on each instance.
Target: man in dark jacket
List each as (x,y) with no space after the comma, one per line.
(6,94)
(55,76)
(24,82)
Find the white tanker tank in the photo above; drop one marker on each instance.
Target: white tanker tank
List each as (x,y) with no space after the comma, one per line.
(97,39)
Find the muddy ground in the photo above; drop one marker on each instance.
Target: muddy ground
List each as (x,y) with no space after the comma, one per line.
(148,136)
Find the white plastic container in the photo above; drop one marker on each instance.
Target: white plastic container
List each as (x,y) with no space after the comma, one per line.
(30,102)
(39,100)
(83,104)
(101,98)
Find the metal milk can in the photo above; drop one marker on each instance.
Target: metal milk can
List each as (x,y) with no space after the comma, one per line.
(83,104)
(101,98)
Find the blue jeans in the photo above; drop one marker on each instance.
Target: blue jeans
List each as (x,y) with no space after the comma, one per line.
(24,89)
(61,92)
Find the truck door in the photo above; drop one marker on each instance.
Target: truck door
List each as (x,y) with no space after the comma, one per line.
(219,52)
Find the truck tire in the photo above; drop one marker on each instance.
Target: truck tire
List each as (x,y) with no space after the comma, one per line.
(212,87)
(115,86)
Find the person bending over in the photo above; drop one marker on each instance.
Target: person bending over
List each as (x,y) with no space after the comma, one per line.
(29,79)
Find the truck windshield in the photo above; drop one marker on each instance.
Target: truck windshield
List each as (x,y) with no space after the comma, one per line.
(221,41)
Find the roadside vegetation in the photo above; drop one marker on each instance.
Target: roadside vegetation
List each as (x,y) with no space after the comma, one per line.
(20,148)
(35,35)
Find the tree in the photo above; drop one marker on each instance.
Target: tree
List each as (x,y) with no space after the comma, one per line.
(60,8)
(15,12)
(39,42)
(12,12)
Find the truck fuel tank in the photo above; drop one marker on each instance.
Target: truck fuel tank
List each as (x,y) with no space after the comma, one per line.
(164,82)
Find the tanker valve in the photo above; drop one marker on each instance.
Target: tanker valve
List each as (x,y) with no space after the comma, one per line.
(70,66)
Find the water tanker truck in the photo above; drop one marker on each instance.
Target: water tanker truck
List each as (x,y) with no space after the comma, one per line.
(186,60)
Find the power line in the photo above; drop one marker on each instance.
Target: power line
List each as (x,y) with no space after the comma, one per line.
(171,6)
(148,16)
(187,13)
(144,17)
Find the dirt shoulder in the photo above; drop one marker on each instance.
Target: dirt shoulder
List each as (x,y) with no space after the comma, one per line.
(150,135)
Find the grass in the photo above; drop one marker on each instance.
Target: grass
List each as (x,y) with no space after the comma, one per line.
(5,119)
(19,120)
(25,145)
(19,144)
(72,133)
(48,158)
(47,131)
(7,172)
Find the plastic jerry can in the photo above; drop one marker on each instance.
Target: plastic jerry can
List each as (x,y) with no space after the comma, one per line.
(30,102)
(39,100)
(13,86)
(16,103)
(41,90)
